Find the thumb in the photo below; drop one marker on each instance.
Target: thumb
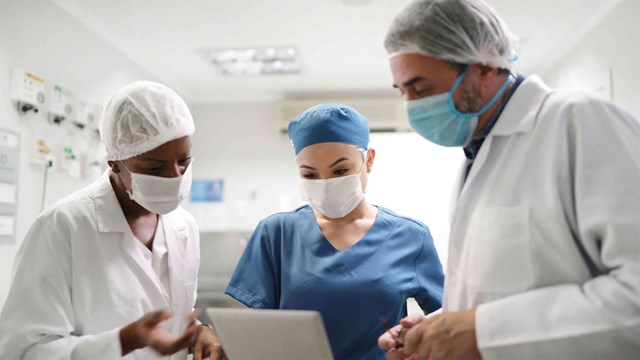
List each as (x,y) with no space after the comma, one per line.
(156,317)
(411,320)
(194,314)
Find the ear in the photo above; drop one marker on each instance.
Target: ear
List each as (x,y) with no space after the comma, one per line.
(113,166)
(371,155)
(486,76)
(486,70)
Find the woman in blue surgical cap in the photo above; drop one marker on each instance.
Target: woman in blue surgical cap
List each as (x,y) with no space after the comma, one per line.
(340,255)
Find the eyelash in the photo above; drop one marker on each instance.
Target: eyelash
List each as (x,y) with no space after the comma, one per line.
(421,92)
(183,162)
(339,172)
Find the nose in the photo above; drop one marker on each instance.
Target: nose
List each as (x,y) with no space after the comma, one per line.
(176,170)
(411,96)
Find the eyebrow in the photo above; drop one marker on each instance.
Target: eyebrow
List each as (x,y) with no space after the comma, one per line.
(151,159)
(410,82)
(330,166)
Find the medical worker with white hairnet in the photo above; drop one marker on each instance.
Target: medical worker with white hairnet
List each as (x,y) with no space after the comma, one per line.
(544,252)
(110,270)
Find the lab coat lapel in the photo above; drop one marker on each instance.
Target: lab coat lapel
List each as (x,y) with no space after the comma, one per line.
(518,117)
(111,220)
(142,265)
(176,237)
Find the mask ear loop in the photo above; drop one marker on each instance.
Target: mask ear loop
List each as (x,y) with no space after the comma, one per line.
(129,192)
(364,162)
(364,159)
(515,64)
(484,108)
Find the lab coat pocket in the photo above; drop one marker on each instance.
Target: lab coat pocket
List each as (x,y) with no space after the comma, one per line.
(500,257)
(115,310)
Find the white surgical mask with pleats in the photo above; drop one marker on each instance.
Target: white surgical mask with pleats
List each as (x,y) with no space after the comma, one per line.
(335,198)
(158,194)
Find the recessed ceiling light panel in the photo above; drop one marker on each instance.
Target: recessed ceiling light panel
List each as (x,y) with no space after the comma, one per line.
(255,61)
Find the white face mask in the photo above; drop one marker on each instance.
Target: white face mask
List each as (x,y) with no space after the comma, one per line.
(334,198)
(158,194)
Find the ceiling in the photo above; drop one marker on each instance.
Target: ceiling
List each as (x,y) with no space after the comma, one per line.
(340,45)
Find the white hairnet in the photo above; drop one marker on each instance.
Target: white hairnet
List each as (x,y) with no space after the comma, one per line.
(142,116)
(458,31)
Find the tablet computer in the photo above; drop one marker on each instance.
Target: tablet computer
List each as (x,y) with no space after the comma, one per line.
(249,334)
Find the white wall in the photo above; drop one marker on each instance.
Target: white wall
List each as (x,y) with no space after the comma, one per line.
(614,44)
(40,37)
(240,143)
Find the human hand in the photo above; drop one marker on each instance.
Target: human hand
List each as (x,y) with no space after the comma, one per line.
(147,331)
(449,335)
(393,340)
(208,345)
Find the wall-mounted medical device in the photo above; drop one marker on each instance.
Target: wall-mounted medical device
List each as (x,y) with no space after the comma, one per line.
(27,89)
(61,105)
(86,115)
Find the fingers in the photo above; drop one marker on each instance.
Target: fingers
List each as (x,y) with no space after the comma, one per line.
(198,351)
(187,338)
(216,353)
(386,342)
(411,320)
(195,313)
(153,318)
(412,339)
(395,354)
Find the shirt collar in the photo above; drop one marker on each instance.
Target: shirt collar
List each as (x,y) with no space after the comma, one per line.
(471,150)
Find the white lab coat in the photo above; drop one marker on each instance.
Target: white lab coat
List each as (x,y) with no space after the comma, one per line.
(545,233)
(80,277)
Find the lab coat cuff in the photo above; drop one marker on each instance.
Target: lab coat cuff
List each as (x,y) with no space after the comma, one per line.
(105,345)
(483,328)
(114,347)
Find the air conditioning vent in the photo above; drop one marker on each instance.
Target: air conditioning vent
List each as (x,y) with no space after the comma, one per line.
(384,114)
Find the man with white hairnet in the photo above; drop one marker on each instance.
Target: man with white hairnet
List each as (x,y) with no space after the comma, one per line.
(110,271)
(544,252)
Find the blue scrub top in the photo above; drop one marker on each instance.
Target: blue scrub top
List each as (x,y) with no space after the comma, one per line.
(289,264)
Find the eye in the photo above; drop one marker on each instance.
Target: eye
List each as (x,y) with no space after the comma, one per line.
(184,162)
(341,172)
(310,176)
(421,92)
(422,89)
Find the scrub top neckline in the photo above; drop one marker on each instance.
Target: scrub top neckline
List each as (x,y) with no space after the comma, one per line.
(356,243)
(352,257)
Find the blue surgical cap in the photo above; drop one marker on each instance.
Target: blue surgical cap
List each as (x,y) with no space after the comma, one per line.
(329,123)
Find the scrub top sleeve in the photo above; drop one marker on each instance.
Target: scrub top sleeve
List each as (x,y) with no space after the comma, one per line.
(37,321)
(429,275)
(254,281)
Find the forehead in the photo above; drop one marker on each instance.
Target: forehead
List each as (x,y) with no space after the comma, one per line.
(405,67)
(168,150)
(327,152)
